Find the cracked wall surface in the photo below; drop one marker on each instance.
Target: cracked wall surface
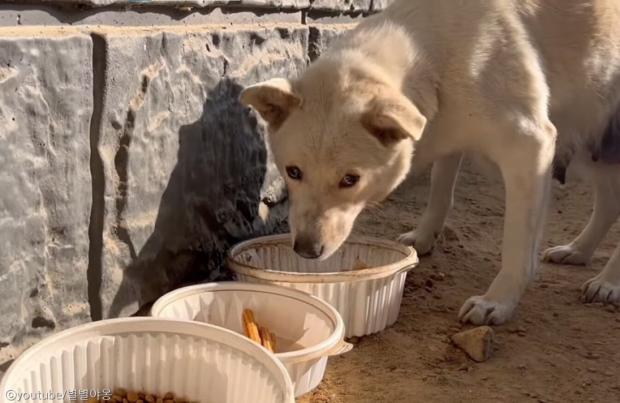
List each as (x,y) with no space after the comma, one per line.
(129,165)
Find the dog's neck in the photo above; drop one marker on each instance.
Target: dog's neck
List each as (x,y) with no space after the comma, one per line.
(386,52)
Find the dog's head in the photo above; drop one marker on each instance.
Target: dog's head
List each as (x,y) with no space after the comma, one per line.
(343,140)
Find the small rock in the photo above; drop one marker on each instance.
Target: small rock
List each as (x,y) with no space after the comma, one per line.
(477,342)
(439,276)
(522,367)
(611,308)
(464,368)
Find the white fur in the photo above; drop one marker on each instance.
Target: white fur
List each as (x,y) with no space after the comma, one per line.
(517,81)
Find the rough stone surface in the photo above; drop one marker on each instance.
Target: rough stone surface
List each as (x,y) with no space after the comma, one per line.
(322,36)
(476,342)
(45,109)
(130,167)
(342,5)
(183,3)
(184,167)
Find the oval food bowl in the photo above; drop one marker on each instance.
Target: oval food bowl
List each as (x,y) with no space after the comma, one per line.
(196,361)
(307,330)
(368,299)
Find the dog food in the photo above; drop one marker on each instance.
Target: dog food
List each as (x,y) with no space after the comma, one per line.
(256,333)
(360,264)
(477,342)
(121,395)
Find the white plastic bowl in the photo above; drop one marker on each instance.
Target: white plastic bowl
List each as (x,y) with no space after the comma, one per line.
(193,360)
(307,329)
(367,299)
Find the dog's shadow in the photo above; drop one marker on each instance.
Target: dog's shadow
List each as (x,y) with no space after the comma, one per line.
(211,201)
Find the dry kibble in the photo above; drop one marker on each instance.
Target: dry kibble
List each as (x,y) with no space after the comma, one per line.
(120,392)
(132,397)
(124,396)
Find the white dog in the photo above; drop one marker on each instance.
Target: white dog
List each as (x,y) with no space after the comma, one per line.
(434,79)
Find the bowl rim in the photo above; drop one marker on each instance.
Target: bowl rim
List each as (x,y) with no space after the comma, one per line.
(306,354)
(132,325)
(407,263)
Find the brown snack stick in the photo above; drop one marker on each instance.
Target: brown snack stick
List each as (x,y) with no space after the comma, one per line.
(273,342)
(265,337)
(250,326)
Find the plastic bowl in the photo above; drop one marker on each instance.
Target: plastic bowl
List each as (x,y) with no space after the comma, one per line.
(196,361)
(367,299)
(307,329)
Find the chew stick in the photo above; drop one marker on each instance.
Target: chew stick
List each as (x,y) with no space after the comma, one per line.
(249,324)
(272,338)
(265,336)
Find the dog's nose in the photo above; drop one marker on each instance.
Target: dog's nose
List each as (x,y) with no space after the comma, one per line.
(308,248)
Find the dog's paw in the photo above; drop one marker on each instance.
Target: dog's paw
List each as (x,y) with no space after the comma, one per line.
(566,254)
(479,310)
(422,241)
(598,289)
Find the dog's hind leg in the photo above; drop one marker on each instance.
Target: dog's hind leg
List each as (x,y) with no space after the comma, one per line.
(605,287)
(606,211)
(443,180)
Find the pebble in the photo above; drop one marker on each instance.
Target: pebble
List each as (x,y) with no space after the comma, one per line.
(438,276)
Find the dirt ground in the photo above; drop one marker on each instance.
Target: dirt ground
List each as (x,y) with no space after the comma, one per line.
(556,349)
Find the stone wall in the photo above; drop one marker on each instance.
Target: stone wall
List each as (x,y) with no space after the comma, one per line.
(129,167)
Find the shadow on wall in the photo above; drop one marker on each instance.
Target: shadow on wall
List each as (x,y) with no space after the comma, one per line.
(210,202)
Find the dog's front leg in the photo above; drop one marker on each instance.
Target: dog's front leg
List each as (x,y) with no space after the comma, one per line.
(440,200)
(526,172)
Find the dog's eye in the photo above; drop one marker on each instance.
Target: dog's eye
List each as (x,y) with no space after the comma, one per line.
(349,181)
(294,173)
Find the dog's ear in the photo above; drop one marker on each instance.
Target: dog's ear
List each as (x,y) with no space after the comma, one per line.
(391,119)
(273,100)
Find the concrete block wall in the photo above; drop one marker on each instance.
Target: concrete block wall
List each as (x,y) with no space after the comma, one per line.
(129,167)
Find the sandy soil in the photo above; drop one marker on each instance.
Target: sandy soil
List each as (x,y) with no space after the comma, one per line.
(556,349)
